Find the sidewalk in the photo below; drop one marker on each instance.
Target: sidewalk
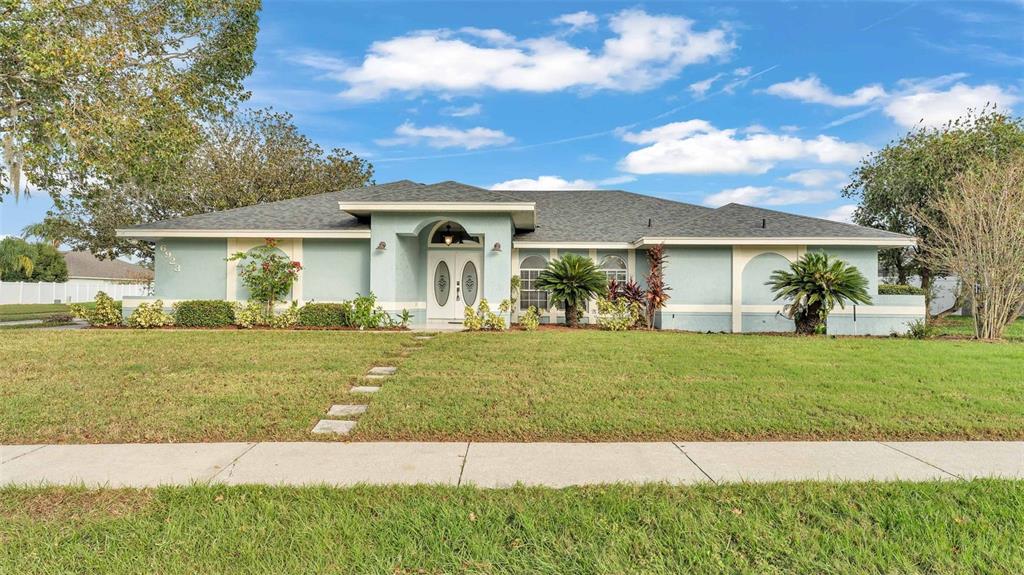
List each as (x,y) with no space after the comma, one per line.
(504,464)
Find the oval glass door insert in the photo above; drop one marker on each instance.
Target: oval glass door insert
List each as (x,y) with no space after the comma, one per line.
(469,283)
(442,283)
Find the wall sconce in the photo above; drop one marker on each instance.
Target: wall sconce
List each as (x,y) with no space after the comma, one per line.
(382,246)
(497,247)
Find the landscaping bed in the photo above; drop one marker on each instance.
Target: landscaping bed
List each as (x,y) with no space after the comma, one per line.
(938,527)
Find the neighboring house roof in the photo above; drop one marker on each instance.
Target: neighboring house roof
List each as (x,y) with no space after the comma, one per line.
(610,216)
(84,265)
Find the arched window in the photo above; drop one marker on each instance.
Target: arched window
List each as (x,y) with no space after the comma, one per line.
(529,269)
(615,268)
(452,234)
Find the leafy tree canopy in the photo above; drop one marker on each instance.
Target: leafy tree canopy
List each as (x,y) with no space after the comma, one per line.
(99,93)
(22,261)
(907,175)
(248,158)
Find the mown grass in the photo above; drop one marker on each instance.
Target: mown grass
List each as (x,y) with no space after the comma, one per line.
(114,386)
(589,385)
(942,527)
(959,326)
(18,311)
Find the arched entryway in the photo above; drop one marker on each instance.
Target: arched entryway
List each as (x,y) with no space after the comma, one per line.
(454,271)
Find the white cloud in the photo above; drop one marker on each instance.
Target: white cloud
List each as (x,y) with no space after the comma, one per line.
(810,89)
(843,213)
(700,88)
(816,178)
(576,21)
(936,107)
(559,183)
(545,183)
(643,52)
(742,72)
(767,196)
(697,147)
(464,111)
(447,137)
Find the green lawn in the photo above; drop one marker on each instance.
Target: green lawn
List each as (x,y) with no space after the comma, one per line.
(17,311)
(125,386)
(99,386)
(964,327)
(943,527)
(604,386)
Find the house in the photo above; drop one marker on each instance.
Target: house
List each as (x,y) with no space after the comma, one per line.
(85,268)
(434,248)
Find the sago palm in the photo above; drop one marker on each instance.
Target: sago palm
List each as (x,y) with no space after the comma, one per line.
(572,281)
(814,285)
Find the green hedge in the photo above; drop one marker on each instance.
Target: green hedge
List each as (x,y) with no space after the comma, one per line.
(324,315)
(899,289)
(204,313)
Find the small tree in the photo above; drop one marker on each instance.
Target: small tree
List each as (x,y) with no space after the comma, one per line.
(982,241)
(573,281)
(657,290)
(268,274)
(813,285)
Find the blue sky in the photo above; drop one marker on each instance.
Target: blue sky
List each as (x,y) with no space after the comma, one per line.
(767,104)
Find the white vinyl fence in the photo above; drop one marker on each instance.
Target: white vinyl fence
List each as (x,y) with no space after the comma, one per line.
(73,291)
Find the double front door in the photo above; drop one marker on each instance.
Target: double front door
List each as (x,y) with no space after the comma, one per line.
(455,281)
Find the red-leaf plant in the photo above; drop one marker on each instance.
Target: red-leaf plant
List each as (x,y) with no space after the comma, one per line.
(657,291)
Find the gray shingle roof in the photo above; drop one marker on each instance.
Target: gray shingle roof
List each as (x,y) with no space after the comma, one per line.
(561,215)
(86,265)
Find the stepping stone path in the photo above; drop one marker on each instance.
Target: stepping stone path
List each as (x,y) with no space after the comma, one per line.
(345,426)
(336,426)
(343,410)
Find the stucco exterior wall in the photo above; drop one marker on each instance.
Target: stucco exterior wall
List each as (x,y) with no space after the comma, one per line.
(335,270)
(190,268)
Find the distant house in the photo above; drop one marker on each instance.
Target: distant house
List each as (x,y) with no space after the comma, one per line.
(87,275)
(434,249)
(85,267)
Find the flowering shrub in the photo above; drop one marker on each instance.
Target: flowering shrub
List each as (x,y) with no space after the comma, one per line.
(530,320)
(106,313)
(149,315)
(268,274)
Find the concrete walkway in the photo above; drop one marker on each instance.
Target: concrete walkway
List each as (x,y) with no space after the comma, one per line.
(504,464)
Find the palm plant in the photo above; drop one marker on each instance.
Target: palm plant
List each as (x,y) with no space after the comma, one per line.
(572,281)
(813,285)
(15,259)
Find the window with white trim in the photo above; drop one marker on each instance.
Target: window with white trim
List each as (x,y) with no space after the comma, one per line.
(614,267)
(529,269)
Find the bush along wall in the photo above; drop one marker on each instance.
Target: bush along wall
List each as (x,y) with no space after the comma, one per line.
(204,313)
(900,289)
(325,314)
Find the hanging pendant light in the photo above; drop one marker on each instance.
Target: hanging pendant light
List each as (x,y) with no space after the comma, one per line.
(448,237)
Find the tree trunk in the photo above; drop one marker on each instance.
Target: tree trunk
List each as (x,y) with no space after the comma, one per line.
(572,316)
(926,284)
(807,323)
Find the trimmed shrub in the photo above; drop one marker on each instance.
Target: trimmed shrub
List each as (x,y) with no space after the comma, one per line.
(149,315)
(530,320)
(900,289)
(290,317)
(204,313)
(106,313)
(618,315)
(251,314)
(325,314)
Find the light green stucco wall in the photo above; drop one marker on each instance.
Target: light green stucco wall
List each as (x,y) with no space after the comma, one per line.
(697,275)
(202,273)
(756,273)
(863,258)
(398,274)
(335,269)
